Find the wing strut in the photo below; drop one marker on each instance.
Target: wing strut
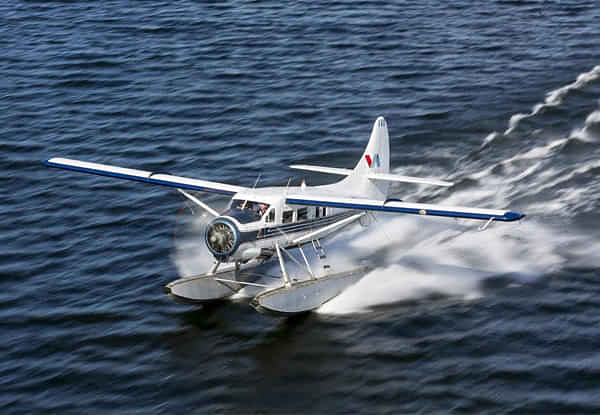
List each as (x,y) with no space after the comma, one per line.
(485,225)
(199,203)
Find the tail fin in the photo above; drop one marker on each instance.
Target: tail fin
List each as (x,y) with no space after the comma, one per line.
(375,159)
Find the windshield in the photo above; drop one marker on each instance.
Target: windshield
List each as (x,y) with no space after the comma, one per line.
(242,216)
(246,211)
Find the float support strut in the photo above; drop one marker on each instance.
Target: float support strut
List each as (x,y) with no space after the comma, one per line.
(282,265)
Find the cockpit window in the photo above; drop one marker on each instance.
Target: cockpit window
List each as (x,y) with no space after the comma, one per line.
(242,215)
(258,208)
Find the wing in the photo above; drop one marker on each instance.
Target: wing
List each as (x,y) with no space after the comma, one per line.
(373,176)
(143,176)
(402,207)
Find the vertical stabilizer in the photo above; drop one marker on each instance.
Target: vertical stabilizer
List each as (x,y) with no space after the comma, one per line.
(375,159)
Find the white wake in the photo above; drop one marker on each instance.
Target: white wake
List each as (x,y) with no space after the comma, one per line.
(554,98)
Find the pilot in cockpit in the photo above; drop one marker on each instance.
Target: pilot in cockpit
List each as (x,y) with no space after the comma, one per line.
(262,208)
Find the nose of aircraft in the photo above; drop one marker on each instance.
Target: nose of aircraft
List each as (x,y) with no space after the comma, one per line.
(222,238)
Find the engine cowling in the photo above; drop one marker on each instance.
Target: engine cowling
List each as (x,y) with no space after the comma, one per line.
(222,238)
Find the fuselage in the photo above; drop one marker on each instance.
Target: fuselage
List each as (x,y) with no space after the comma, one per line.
(255,221)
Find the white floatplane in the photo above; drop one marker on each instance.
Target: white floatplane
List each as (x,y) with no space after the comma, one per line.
(266,223)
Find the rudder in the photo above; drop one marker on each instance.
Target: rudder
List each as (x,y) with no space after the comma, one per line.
(375,159)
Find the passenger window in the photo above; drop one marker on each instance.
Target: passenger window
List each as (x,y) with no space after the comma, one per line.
(317,210)
(288,215)
(270,216)
(302,214)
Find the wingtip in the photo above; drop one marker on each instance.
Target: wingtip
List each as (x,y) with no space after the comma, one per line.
(512,216)
(55,161)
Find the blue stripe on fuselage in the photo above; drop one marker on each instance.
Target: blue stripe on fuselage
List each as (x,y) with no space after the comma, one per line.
(304,225)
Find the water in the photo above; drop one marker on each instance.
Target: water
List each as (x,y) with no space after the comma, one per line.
(500,97)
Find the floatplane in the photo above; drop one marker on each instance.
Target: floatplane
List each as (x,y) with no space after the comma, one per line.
(277,222)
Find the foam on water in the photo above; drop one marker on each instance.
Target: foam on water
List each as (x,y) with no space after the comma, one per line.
(554,98)
(586,133)
(191,255)
(397,282)
(419,256)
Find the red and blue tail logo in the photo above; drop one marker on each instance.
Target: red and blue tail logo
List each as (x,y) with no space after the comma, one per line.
(370,161)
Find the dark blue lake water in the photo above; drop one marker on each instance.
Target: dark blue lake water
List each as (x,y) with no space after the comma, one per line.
(501,97)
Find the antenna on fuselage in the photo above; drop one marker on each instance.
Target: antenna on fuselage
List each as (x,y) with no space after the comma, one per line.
(288,185)
(253,187)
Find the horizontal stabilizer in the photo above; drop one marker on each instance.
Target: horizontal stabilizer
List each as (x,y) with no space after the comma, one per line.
(144,176)
(402,207)
(373,176)
(408,179)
